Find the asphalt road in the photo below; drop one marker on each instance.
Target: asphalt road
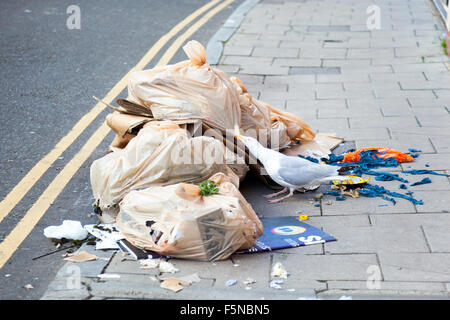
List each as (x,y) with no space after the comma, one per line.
(49,74)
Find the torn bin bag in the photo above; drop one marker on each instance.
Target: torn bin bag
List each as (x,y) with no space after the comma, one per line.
(156,156)
(187,90)
(178,221)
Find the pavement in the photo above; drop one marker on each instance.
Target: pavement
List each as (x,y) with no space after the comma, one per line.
(389,87)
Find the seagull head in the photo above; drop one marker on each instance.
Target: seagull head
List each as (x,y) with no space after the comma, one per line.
(251,143)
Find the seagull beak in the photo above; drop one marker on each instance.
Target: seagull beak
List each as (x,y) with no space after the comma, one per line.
(239,137)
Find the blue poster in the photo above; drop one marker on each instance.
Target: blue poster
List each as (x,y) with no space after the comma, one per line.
(287,232)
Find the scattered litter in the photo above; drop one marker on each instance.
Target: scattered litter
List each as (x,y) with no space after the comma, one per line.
(82,256)
(426,172)
(249,281)
(318,196)
(248,288)
(109,276)
(27,11)
(28,286)
(317,205)
(192,278)
(69,229)
(374,155)
(303,217)
(153,278)
(8,275)
(379,191)
(107,234)
(403,186)
(276,284)
(346,298)
(382,205)
(423,181)
(278,271)
(173,284)
(149,263)
(231,282)
(414,150)
(290,290)
(167,267)
(235,265)
(340,198)
(328,203)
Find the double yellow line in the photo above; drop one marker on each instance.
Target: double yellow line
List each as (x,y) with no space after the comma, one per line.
(38,209)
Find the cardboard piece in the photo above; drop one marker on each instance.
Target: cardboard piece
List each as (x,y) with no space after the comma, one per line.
(82,256)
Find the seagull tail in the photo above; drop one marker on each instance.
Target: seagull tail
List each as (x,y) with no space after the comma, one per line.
(345,169)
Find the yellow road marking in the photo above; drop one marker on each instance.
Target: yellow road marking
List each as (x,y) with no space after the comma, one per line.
(35,213)
(29,180)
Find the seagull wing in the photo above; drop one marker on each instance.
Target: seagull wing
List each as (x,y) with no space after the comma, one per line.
(300,172)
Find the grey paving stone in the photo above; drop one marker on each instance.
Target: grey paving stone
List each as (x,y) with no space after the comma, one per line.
(433,121)
(238,50)
(395,77)
(388,285)
(364,205)
(433,201)
(246,61)
(276,52)
(327,125)
(415,84)
(424,67)
(404,93)
(361,63)
(291,79)
(263,70)
(328,28)
(301,44)
(376,239)
(442,144)
(363,133)
(421,102)
(314,70)
(323,53)
(325,113)
(351,69)
(371,53)
(343,221)
(327,78)
(290,62)
(317,267)
(409,220)
(367,122)
(301,104)
(435,162)
(438,237)
(427,267)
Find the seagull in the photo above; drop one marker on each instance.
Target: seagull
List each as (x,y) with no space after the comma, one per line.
(291,172)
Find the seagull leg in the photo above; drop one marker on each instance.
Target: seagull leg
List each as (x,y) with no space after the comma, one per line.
(268,196)
(291,192)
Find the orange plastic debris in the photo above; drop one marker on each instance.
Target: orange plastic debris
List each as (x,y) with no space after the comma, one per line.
(382,153)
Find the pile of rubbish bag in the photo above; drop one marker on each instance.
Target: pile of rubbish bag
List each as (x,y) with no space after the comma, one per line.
(171,136)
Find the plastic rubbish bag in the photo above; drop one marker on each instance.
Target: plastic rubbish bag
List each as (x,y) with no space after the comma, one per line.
(188,89)
(158,155)
(178,221)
